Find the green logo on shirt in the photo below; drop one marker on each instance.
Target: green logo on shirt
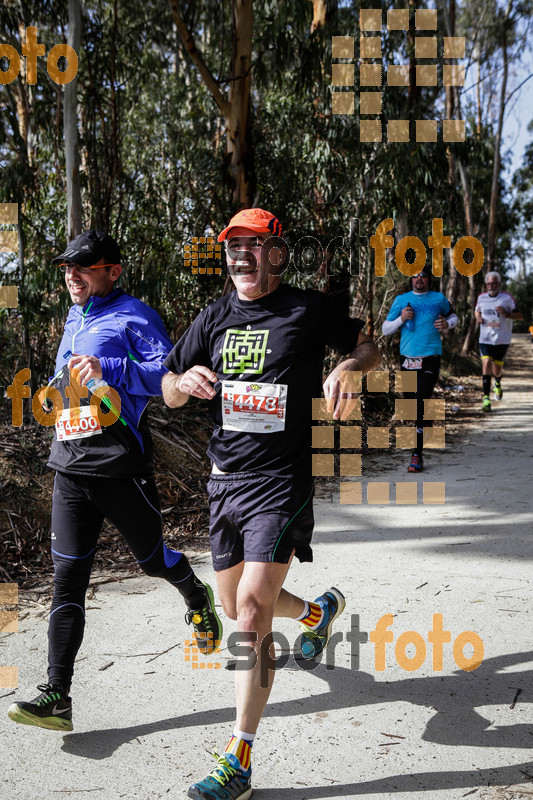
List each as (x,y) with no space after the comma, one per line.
(244,351)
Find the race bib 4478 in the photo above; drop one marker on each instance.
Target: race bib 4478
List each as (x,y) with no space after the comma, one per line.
(253,407)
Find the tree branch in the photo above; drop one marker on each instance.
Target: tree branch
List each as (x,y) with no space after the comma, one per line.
(198,60)
(518,87)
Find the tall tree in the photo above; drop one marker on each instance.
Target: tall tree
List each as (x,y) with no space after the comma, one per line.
(235,104)
(506,32)
(70,125)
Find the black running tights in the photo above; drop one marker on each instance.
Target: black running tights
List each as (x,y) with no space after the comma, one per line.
(79,507)
(427,376)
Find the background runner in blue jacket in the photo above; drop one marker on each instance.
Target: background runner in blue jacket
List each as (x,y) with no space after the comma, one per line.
(104,471)
(420,344)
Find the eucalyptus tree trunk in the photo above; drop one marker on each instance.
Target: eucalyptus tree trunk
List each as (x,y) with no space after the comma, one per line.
(452,109)
(469,338)
(413,91)
(497,143)
(238,141)
(70,127)
(26,338)
(456,165)
(450,97)
(323,12)
(235,106)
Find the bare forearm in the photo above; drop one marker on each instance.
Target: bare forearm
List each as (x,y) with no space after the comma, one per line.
(171,394)
(365,357)
(196,382)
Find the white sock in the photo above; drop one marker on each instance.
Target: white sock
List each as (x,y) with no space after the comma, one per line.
(305,612)
(248,737)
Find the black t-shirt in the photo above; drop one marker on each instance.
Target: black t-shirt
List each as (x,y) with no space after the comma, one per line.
(278,339)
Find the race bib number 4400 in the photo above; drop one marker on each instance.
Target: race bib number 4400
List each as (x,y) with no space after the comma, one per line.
(253,407)
(77,423)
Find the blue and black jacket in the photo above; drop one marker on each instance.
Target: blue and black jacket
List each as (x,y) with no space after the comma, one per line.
(131,342)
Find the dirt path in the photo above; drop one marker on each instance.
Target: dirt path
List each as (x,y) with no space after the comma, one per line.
(144,719)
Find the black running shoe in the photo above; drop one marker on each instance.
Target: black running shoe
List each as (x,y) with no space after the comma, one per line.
(52,709)
(206,623)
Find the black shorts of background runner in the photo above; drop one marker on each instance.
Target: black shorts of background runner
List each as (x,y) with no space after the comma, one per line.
(426,377)
(79,507)
(259,518)
(495,351)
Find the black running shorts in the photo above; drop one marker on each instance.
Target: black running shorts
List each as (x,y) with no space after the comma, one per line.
(259,518)
(495,351)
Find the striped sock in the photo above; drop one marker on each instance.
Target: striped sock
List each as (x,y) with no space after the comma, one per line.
(240,745)
(311,615)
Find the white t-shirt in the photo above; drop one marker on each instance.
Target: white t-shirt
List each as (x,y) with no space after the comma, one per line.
(495,329)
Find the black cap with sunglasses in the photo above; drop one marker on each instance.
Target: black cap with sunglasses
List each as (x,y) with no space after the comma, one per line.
(90,247)
(425,272)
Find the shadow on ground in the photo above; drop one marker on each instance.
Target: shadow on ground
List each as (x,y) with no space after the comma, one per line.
(455,723)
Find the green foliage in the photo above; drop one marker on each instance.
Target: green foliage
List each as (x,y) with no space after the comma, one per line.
(522,291)
(523,203)
(152,146)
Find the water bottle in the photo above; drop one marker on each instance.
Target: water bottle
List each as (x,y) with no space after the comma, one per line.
(96,383)
(93,383)
(409,323)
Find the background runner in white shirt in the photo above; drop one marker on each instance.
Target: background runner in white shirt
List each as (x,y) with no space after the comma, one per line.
(495,311)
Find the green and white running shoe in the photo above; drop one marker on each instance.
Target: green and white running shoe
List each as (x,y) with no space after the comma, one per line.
(486,403)
(51,710)
(206,623)
(498,393)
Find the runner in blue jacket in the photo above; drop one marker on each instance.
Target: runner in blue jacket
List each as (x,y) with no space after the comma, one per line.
(112,350)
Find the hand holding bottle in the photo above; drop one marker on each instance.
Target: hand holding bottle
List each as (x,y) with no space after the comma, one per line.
(408,317)
(86,368)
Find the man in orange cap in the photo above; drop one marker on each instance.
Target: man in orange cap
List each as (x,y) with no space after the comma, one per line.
(257,356)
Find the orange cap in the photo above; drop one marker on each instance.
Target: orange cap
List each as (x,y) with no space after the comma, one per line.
(257,219)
